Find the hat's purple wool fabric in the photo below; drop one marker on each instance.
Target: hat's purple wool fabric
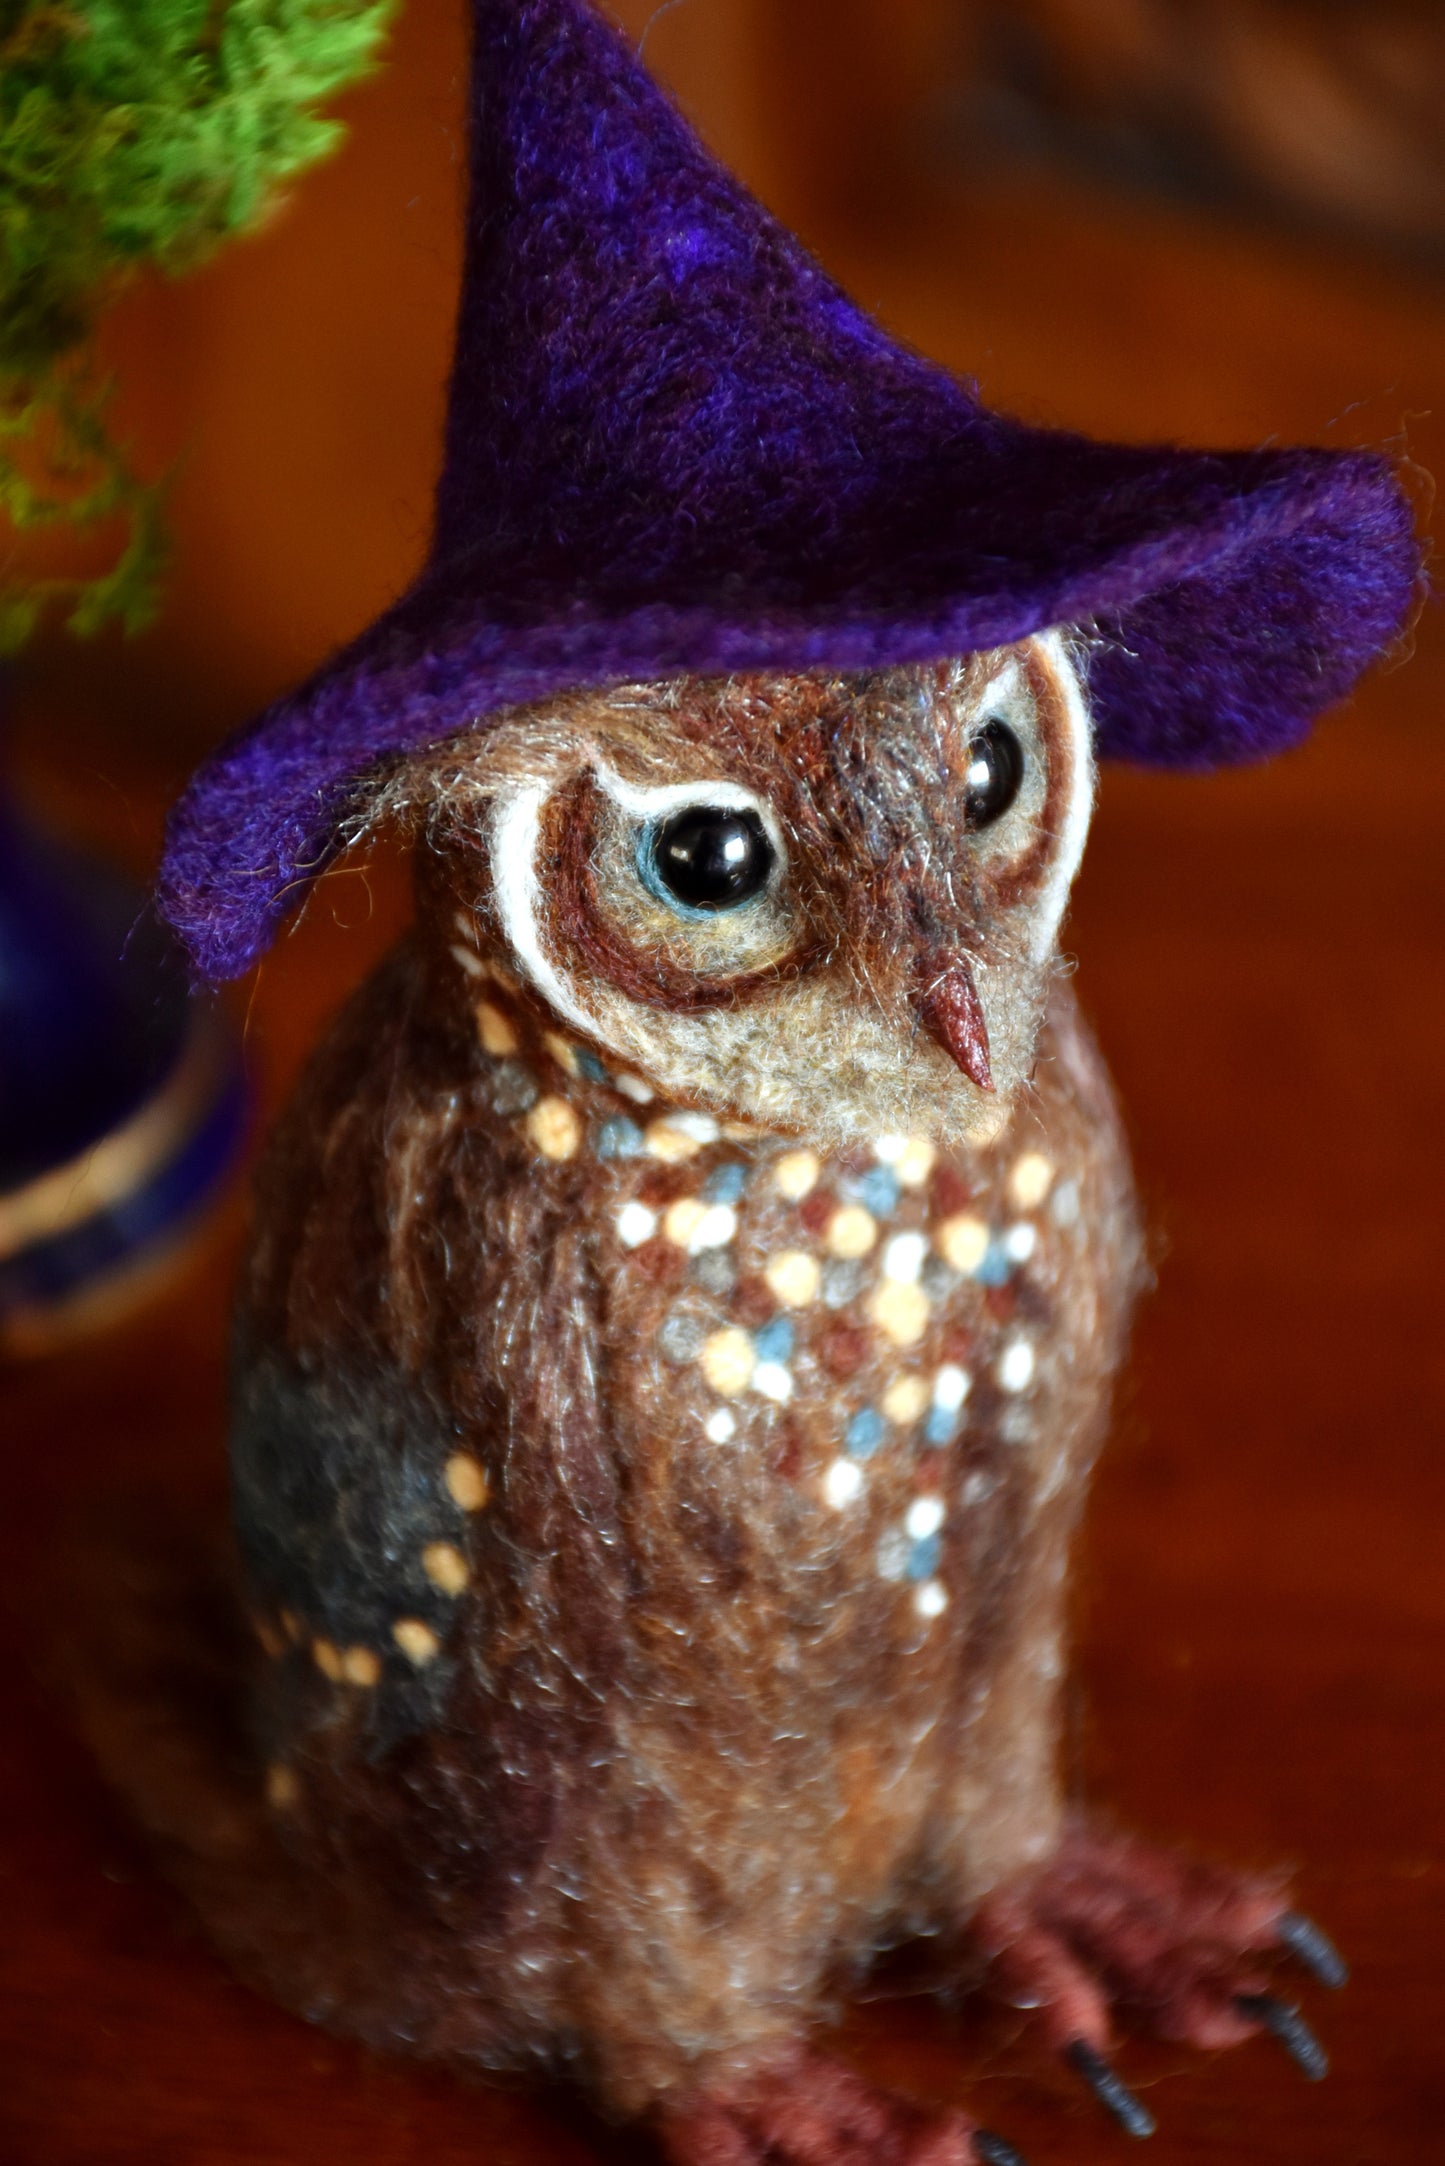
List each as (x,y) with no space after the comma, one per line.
(675,446)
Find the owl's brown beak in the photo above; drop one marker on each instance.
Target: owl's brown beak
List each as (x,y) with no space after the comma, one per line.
(950,1011)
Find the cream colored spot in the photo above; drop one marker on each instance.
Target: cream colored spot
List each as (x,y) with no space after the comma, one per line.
(843,1483)
(282,1788)
(905,1400)
(633,1087)
(793,1277)
(720,1427)
(563,1052)
(728,1361)
(916,1162)
(554,1128)
(1030,1180)
(1020,1242)
(694,1225)
(469,962)
(851,1231)
(467,1485)
(327,1658)
(635,1224)
(465,926)
(360,1666)
(446,1567)
(671,1144)
(495,1030)
(683,1219)
(416,1640)
(963,1241)
(796,1174)
(931,1599)
(900,1311)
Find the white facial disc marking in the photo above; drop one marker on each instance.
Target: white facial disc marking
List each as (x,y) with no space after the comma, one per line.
(1074,827)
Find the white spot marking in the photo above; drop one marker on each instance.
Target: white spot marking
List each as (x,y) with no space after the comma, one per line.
(951,1387)
(714,1229)
(843,1483)
(1016,1366)
(773,1381)
(635,1224)
(925,1517)
(903,1258)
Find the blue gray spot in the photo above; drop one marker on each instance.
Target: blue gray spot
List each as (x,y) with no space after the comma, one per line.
(942,1425)
(619,1138)
(680,1336)
(842,1283)
(512,1088)
(923,1557)
(775,1341)
(726,1183)
(865,1433)
(877,1189)
(715,1270)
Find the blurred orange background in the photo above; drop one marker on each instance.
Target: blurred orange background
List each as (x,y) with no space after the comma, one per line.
(1262,1621)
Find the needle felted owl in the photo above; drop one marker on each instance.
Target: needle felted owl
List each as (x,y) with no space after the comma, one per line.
(686,1288)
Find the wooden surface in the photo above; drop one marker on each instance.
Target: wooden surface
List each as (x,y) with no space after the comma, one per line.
(1261,1661)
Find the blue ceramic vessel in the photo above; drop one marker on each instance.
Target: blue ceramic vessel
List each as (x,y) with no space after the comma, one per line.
(121,1097)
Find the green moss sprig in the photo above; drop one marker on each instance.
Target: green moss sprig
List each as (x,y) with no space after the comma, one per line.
(132,133)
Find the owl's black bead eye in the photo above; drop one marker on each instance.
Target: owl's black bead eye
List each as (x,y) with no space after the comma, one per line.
(994,775)
(709,857)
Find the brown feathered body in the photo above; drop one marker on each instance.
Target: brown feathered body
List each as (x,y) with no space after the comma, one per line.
(657,1510)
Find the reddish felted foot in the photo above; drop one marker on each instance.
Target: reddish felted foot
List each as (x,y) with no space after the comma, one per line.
(810,2112)
(1110,1926)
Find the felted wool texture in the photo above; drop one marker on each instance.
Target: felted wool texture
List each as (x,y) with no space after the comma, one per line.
(674,447)
(860,781)
(656,1527)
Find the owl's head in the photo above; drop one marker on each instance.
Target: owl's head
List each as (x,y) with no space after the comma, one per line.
(815,903)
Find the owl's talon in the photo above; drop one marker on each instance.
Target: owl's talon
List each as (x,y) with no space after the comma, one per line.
(991,2150)
(1132,2115)
(1314,1949)
(1287,2025)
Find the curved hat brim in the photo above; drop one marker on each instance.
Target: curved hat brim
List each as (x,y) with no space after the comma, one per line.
(1227,599)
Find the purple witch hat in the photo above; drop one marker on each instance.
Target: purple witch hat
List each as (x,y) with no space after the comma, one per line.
(674,446)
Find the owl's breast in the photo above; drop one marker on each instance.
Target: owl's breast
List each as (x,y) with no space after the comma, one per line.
(858,1383)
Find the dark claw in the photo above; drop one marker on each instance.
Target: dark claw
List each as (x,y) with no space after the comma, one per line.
(1290,2028)
(991,2150)
(1309,1946)
(1132,2115)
